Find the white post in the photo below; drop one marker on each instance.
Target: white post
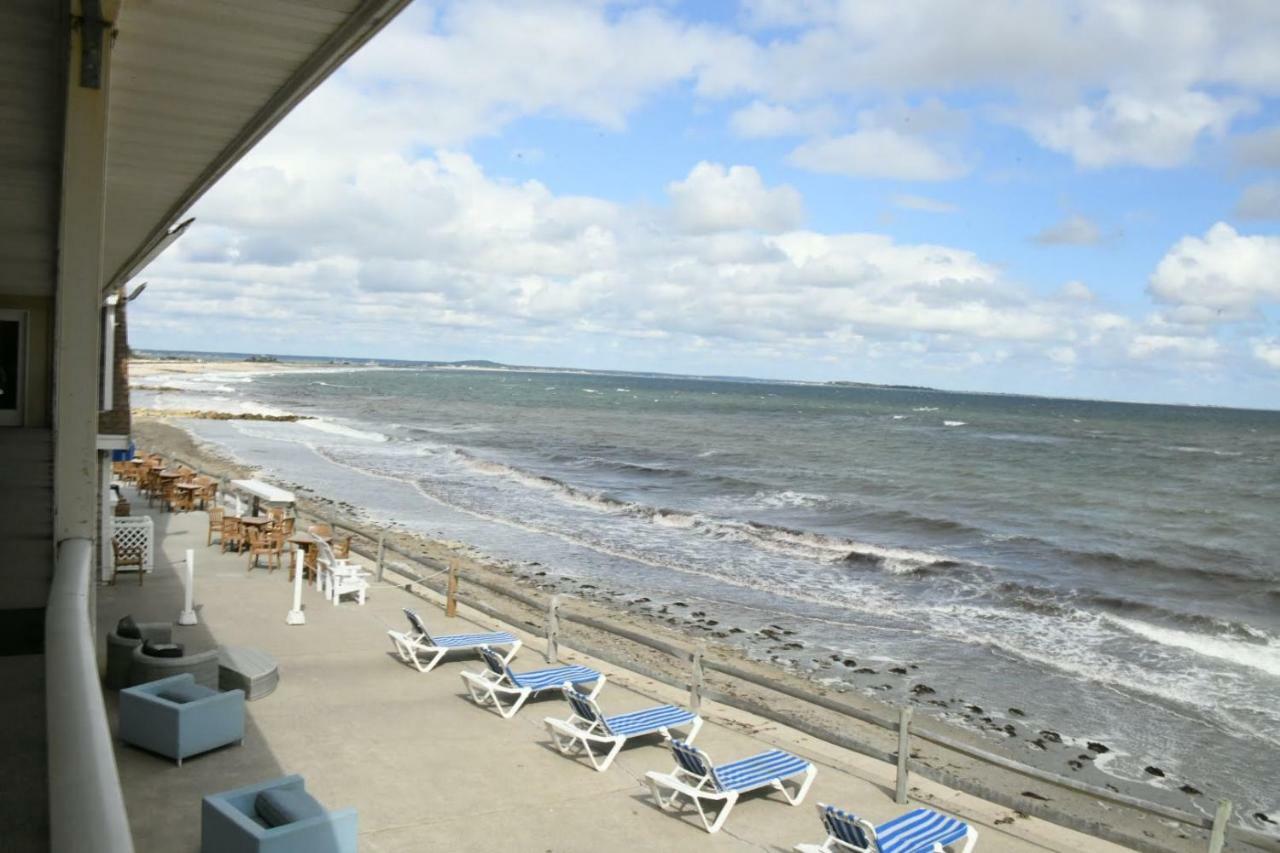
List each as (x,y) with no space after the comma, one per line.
(188,614)
(1220,819)
(296,616)
(553,630)
(696,679)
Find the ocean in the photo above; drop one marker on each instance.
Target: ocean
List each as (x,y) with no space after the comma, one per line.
(1105,571)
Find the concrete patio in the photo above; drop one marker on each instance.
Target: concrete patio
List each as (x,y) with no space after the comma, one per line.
(427,769)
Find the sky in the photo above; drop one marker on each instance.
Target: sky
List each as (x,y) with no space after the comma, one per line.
(1028,196)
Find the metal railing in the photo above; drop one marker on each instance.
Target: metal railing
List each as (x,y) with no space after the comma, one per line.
(86,804)
(900,726)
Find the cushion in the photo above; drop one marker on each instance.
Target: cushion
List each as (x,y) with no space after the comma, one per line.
(184,693)
(279,806)
(161,650)
(128,629)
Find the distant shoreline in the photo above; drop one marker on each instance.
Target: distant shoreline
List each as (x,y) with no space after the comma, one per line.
(251,361)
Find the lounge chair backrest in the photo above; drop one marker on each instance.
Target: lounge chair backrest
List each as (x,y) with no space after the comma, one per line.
(585,707)
(849,828)
(418,626)
(693,760)
(494,661)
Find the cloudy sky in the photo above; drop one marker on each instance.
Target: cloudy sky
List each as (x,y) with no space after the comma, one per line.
(1042,196)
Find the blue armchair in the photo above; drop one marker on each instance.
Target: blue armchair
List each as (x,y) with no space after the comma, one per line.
(178,718)
(274,817)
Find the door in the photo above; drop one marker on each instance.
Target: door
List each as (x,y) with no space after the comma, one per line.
(13,350)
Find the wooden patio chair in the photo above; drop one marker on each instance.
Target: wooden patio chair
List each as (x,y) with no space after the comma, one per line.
(215,524)
(342,548)
(232,535)
(261,542)
(126,555)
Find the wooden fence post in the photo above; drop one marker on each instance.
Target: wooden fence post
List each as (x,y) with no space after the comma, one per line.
(904,752)
(451,597)
(553,629)
(382,554)
(696,678)
(1218,837)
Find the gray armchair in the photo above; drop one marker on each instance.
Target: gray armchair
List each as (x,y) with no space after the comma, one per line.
(120,651)
(274,817)
(177,718)
(202,665)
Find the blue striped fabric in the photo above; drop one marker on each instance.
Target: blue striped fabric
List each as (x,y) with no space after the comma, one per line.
(583,706)
(690,758)
(843,826)
(494,661)
(540,679)
(918,830)
(418,625)
(453,641)
(648,720)
(748,773)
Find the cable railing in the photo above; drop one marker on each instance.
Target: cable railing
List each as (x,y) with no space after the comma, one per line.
(86,803)
(375,547)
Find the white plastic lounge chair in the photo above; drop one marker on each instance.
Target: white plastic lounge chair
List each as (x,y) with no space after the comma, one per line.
(698,779)
(587,726)
(917,831)
(419,641)
(499,680)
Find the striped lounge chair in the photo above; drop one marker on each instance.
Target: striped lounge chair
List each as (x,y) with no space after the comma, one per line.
(701,781)
(490,686)
(418,645)
(917,831)
(587,726)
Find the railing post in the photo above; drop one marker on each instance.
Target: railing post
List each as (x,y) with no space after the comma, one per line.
(1218,837)
(696,678)
(553,629)
(382,554)
(904,752)
(451,597)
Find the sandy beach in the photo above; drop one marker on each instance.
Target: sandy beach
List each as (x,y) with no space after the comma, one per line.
(650,613)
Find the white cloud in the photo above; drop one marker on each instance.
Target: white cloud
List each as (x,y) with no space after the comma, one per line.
(924,203)
(1149,346)
(713,198)
(1267,352)
(877,153)
(1078,291)
(1128,129)
(1260,201)
(760,119)
(1075,230)
(1260,149)
(1221,277)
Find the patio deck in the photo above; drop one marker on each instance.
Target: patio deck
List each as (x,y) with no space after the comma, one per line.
(427,769)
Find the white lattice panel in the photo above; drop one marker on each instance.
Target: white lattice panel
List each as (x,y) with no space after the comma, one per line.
(137,530)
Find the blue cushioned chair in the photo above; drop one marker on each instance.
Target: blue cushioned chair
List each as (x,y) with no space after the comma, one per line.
(178,718)
(233,822)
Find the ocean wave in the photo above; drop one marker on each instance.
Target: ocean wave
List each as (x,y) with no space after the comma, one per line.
(955,423)
(1209,450)
(1259,656)
(1047,601)
(334,428)
(805,544)
(925,409)
(786,499)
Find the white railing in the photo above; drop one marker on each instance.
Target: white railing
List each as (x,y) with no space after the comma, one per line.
(86,804)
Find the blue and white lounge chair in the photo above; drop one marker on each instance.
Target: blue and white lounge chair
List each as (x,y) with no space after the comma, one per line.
(698,779)
(587,726)
(917,831)
(418,641)
(499,680)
